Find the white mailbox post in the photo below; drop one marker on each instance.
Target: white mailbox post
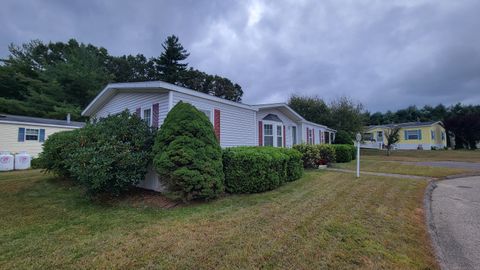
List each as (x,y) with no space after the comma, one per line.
(358,139)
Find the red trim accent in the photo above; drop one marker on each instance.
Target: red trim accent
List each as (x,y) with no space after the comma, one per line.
(284,137)
(313,136)
(155,114)
(216,117)
(260,133)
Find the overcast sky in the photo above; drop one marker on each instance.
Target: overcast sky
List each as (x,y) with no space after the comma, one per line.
(385,54)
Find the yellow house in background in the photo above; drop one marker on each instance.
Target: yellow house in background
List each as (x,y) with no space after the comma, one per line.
(413,135)
(27,134)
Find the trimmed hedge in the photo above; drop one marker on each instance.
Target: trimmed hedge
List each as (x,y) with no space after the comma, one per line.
(343,153)
(258,169)
(188,155)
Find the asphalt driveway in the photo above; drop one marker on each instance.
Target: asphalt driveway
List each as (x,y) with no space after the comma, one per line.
(455,222)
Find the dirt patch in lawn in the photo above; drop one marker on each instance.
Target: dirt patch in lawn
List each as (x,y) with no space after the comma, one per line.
(139,197)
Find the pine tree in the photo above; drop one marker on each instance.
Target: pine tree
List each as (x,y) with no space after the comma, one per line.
(169,63)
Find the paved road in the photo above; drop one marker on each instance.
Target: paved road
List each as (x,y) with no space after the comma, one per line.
(455,213)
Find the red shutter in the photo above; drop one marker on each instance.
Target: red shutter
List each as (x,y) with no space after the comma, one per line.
(138,112)
(284,137)
(155,113)
(260,133)
(216,121)
(313,136)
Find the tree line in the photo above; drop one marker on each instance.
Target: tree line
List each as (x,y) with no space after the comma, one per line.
(56,78)
(348,117)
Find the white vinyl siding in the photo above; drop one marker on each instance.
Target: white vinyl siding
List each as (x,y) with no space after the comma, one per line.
(237,125)
(132,101)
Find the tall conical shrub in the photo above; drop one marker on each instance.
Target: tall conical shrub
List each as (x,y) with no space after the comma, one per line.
(187,155)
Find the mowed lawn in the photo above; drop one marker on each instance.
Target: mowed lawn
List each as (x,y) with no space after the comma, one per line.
(425,155)
(326,220)
(377,161)
(373,165)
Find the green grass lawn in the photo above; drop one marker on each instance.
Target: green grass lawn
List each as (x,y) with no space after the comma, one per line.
(413,155)
(367,164)
(324,220)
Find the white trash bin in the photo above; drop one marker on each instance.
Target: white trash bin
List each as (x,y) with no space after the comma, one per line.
(6,161)
(22,161)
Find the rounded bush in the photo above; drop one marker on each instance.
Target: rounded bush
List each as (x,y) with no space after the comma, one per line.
(310,154)
(112,155)
(258,169)
(343,153)
(187,155)
(343,137)
(56,152)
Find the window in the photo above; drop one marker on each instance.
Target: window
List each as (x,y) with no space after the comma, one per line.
(443,136)
(327,137)
(294,135)
(380,136)
(279,136)
(208,113)
(147,116)
(413,134)
(367,137)
(432,133)
(31,134)
(268,135)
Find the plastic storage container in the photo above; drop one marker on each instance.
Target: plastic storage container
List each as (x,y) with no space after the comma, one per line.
(22,161)
(6,161)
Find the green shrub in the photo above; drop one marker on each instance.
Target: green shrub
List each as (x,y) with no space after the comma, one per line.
(353,151)
(342,153)
(112,155)
(258,169)
(36,163)
(294,164)
(327,153)
(187,154)
(343,137)
(56,152)
(310,154)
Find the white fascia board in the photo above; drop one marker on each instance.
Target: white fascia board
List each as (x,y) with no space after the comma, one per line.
(36,124)
(279,105)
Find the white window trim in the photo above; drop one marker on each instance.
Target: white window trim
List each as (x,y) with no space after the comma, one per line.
(25,135)
(151,114)
(274,131)
(281,134)
(210,111)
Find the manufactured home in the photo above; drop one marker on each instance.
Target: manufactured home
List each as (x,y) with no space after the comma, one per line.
(413,135)
(235,124)
(27,134)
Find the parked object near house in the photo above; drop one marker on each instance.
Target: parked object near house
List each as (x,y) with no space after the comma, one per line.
(22,161)
(413,136)
(27,134)
(6,161)
(234,123)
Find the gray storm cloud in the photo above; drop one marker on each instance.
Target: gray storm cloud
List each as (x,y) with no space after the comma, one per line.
(386,54)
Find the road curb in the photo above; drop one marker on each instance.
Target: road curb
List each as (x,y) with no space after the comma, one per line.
(432,231)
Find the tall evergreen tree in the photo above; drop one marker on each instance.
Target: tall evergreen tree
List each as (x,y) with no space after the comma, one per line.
(169,63)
